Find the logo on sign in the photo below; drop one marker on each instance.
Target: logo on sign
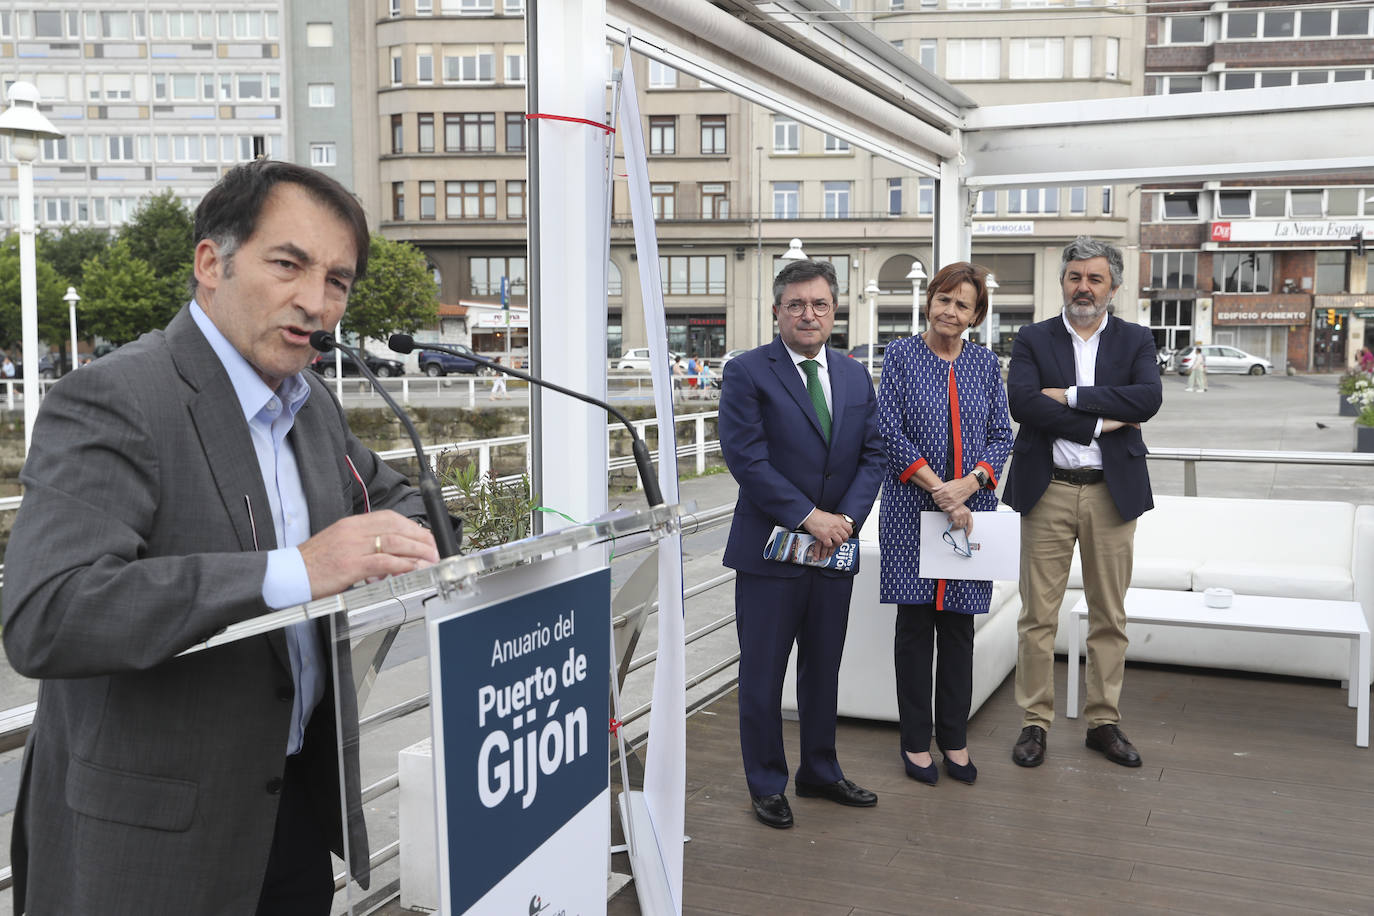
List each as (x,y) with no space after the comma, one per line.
(1221,232)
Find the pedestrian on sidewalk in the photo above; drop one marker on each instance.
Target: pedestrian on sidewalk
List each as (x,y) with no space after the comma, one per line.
(1197,375)
(498,384)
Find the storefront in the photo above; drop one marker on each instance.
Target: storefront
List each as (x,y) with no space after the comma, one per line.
(491,326)
(1275,327)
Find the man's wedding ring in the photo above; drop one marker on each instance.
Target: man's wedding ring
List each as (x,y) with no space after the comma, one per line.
(377,544)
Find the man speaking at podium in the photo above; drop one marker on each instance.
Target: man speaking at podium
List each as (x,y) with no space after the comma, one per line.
(190,480)
(798,428)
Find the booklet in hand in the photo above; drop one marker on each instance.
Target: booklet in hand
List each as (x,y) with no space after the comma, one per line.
(798,547)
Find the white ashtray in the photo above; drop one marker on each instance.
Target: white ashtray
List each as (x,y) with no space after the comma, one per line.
(1218,597)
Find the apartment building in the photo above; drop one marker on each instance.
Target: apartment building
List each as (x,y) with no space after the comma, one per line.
(148,95)
(1275,267)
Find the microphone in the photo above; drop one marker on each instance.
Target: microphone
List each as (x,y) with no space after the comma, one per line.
(404,343)
(440,524)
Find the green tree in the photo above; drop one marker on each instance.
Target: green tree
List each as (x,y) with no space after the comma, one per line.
(52,310)
(68,248)
(160,235)
(398,295)
(122,297)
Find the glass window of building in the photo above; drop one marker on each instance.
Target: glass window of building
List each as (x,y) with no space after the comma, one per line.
(1333,272)
(1270,202)
(1279,23)
(319,35)
(398,200)
(692,275)
(424,64)
(664,200)
(470,132)
(1342,202)
(925,196)
(1185,30)
(973,59)
(1233,204)
(1242,271)
(1315,23)
(615,285)
(662,135)
(894,197)
(321,95)
(1036,58)
(987,204)
(1111,67)
(786,135)
(396,67)
(926,53)
(1272,78)
(515,131)
(786,199)
(515,65)
(428,200)
(323,154)
(836,144)
(1239,26)
(1082,58)
(1306,204)
(1078,201)
(1352,22)
(1173,270)
(661,76)
(515,200)
(837,199)
(470,200)
(713,135)
(1180,206)
(485,275)
(715,204)
(1233,80)
(425,134)
(397,134)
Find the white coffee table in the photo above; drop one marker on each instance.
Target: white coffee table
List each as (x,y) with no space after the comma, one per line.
(1255,613)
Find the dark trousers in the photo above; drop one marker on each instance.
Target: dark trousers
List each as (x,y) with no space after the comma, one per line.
(922,631)
(300,873)
(772,613)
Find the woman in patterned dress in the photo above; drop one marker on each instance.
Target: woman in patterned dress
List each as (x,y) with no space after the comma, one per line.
(942,411)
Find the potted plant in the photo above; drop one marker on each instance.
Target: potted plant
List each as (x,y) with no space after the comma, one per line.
(1347,388)
(1362,399)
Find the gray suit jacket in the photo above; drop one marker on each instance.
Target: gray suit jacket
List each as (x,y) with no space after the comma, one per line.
(147,779)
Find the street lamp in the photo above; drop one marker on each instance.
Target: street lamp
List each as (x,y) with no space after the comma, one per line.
(871,291)
(72,299)
(25,125)
(991,283)
(916,275)
(794,251)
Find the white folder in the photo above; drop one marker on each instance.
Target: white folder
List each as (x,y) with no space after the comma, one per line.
(994,545)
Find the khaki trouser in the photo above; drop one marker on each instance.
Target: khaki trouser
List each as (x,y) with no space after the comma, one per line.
(1065,514)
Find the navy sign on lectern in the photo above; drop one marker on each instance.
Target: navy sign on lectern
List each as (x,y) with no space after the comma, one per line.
(520,739)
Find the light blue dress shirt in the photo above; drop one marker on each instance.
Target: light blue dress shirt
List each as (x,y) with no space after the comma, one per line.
(270,415)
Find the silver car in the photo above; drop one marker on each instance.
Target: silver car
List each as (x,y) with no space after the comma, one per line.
(1225,359)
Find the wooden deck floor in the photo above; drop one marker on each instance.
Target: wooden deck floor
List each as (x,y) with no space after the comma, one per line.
(1252,799)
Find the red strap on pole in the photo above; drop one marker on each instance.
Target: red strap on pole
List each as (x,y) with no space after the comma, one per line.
(552,117)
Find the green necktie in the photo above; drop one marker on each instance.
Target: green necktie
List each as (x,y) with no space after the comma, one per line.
(813,388)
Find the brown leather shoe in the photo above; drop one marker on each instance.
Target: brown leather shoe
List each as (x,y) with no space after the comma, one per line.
(1113,744)
(1030,747)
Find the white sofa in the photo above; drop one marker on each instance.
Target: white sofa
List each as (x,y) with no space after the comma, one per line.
(1285,548)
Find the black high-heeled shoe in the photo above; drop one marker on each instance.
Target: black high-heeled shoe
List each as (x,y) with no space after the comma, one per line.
(926,774)
(964,772)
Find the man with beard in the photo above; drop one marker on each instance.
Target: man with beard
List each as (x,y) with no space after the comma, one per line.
(1080,384)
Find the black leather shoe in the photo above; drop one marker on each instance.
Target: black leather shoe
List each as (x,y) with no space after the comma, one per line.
(926,774)
(843,792)
(1113,744)
(963,772)
(773,810)
(1030,747)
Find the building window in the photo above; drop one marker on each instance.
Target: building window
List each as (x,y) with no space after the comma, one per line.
(786,135)
(786,198)
(1036,59)
(486,274)
(1279,23)
(470,200)
(472,64)
(925,196)
(1233,204)
(665,200)
(396,71)
(515,65)
(1078,201)
(1173,270)
(395,8)
(692,275)
(1185,30)
(120,149)
(1242,271)
(1180,206)
(894,197)
(515,200)
(1033,200)
(1306,204)
(428,203)
(1343,201)
(424,7)
(398,200)
(321,95)
(470,132)
(1234,80)
(836,144)
(663,136)
(973,59)
(1352,22)
(714,202)
(424,64)
(323,154)
(926,54)
(1082,58)
(713,135)
(1332,270)
(837,199)
(425,132)
(661,76)
(1107,200)
(319,34)
(515,131)
(397,135)
(1240,25)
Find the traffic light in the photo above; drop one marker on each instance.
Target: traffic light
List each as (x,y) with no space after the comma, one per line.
(1331,317)
(1358,239)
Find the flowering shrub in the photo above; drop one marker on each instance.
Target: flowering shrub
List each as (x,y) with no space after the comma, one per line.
(1362,397)
(1349,379)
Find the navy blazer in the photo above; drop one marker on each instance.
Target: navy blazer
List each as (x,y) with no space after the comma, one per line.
(1127,388)
(772,443)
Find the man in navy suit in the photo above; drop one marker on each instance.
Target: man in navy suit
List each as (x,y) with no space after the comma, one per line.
(798,427)
(1080,384)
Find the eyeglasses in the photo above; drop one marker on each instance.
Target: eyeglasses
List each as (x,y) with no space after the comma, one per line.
(797,306)
(952,541)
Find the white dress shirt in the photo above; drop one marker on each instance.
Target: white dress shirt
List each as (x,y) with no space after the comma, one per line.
(1067,454)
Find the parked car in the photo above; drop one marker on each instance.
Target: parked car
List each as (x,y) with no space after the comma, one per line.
(861,354)
(435,363)
(1224,359)
(729,356)
(638,359)
(382,367)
